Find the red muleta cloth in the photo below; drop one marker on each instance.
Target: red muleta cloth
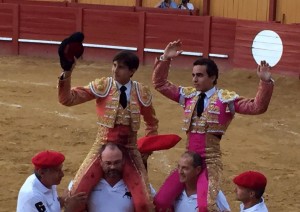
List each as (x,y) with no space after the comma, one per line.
(157,142)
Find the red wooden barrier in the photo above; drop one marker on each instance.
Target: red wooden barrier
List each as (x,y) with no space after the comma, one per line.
(246,32)
(45,3)
(101,7)
(6,20)
(29,29)
(167,11)
(47,23)
(9,27)
(222,37)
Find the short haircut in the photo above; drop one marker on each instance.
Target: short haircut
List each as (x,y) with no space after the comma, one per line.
(259,193)
(111,146)
(196,158)
(211,67)
(128,58)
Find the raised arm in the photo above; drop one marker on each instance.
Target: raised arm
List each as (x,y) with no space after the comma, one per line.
(260,103)
(74,96)
(161,71)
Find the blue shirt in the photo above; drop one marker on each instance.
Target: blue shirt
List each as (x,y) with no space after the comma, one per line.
(165,5)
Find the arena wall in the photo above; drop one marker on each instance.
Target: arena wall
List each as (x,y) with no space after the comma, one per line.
(35,29)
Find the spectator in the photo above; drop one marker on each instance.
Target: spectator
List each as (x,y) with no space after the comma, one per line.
(39,193)
(166,4)
(186,5)
(250,187)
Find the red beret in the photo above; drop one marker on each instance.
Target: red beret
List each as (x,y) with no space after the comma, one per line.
(47,159)
(251,179)
(157,142)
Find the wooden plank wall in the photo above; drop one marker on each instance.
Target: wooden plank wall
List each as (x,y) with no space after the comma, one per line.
(246,32)
(102,7)
(222,40)
(240,9)
(6,20)
(47,23)
(8,29)
(110,2)
(111,28)
(42,30)
(159,31)
(46,3)
(288,11)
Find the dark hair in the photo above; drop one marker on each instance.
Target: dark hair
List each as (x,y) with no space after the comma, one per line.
(38,176)
(197,159)
(211,67)
(259,193)
(128,58)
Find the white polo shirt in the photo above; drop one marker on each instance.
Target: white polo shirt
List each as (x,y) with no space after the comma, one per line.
(105,198)
(35,197)
(188,204)
(260,207)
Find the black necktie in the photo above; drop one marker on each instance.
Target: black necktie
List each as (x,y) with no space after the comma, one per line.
(200,104)
(123,97)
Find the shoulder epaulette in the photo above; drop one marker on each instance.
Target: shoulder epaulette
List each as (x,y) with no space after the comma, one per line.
(101,87)
(188,92)
(227,96)
(143,93)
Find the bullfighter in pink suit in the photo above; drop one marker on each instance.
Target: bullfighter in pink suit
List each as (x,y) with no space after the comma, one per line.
(205,124)
(120,102)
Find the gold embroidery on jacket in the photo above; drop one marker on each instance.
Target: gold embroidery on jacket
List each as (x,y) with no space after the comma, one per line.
(226,96)
(144,94)
(114,114)
(208,122)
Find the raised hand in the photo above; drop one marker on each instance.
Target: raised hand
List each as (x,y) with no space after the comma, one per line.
(75,201)
(173,49)
(263,71)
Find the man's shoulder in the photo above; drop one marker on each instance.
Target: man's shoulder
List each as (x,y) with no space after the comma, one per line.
(144,93)
(29,185)
(101,86)
(187,92)
(227,96)
(30,195)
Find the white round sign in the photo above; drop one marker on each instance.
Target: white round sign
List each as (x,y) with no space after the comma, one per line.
(267,45)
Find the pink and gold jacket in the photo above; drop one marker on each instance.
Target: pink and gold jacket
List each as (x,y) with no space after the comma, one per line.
(105,91)
(116,125)
(204,133)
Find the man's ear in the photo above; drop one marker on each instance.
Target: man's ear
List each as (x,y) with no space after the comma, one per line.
(252,194)
(198,169)
(41,172)
(213,78)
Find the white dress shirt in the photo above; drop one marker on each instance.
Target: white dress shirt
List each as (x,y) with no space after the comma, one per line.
(189,204)
(105,198)
(128,86)
(260,207)
(35,197)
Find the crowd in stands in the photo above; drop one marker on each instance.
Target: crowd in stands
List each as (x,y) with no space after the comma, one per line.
(184,5)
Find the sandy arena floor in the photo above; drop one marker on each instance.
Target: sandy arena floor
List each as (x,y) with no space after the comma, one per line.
(32,120)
